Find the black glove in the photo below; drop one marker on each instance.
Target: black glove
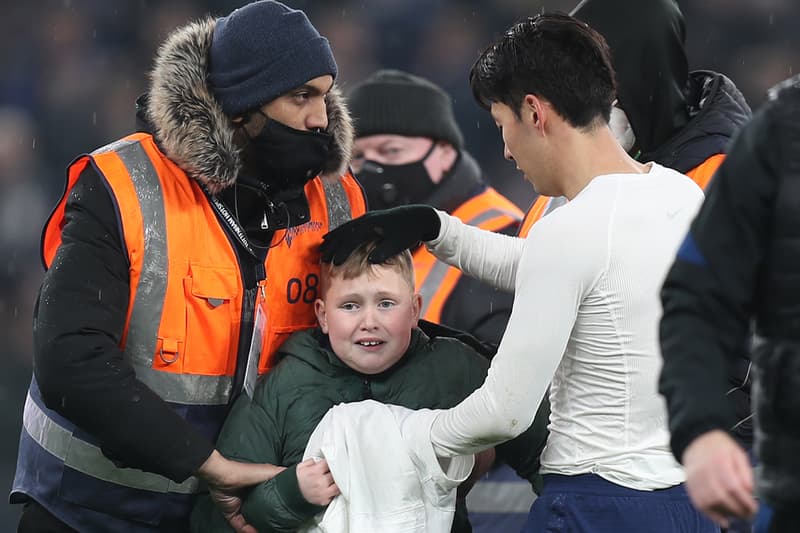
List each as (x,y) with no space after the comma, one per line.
(394,229)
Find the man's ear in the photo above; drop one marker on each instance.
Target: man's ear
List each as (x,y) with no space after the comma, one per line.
(534,111)
(445,157)
(322,319)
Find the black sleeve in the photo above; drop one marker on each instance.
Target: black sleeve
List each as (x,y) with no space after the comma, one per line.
(709,292)
(78,323)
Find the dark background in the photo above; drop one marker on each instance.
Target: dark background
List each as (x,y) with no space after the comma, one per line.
(71,69)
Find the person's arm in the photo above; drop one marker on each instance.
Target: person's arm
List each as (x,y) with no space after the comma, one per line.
(521,453)
(524,452)
(254,433)
(485,255)
(708,299)
(78,364)
(279,504)
(550,285)
(226,481)
(404,227)
(709,292)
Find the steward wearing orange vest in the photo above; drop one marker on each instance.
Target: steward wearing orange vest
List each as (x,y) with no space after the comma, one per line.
(178,259)
(409,149)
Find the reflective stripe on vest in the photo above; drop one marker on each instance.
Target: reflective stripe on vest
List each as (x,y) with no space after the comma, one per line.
(436,280)
(87,458)
(141,336)
(338,203)
(143,325)
(542,206)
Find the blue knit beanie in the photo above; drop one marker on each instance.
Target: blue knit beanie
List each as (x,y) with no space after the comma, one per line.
(262,50)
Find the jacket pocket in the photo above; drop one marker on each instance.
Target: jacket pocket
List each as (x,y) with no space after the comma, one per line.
(213,318)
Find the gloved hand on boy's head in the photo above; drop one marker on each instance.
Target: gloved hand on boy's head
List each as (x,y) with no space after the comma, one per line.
(395,229)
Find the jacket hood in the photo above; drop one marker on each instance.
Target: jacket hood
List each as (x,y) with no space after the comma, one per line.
(189,124)
(647,49)
(717,109)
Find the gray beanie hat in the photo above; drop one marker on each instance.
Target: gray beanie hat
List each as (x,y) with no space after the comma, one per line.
(262,50)
(399,103)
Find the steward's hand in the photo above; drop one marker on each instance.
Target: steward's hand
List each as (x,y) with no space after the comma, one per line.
(395,229)
(226,478)
(719,478)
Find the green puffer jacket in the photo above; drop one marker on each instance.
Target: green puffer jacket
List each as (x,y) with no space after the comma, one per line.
(309,379)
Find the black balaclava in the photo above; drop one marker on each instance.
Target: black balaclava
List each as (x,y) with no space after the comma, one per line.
(647,40)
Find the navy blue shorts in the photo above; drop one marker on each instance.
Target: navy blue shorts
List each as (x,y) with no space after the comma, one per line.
(589,504)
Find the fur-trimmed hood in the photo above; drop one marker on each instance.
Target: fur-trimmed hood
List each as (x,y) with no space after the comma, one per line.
(189,124)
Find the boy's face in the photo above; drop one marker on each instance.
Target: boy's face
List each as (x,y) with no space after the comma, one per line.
(369,319)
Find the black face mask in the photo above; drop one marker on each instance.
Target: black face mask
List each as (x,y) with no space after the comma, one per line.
(278,162)
(392,185)
(285,159)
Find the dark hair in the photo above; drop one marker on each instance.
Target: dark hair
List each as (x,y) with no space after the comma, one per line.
(554,56)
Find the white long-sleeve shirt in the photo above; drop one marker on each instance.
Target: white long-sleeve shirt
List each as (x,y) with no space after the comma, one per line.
(585,318)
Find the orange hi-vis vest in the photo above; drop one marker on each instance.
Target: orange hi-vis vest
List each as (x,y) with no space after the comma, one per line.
(543,205)
(702,173)
(187,295)
(293,261)
(436,280)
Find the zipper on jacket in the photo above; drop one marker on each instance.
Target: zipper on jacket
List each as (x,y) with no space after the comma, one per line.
(366,389)
(252,272)
(253,288)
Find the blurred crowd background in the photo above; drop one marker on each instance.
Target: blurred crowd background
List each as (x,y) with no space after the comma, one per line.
(71,69)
